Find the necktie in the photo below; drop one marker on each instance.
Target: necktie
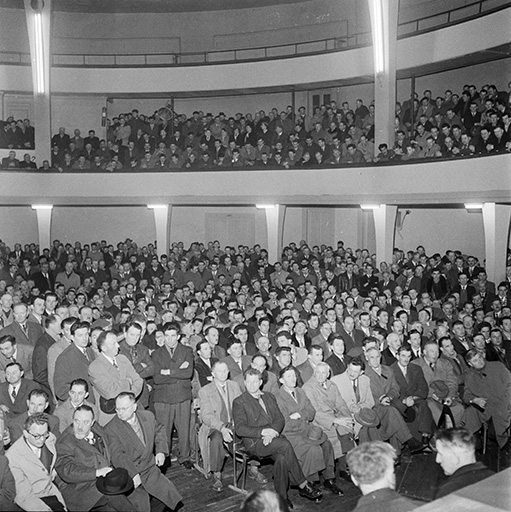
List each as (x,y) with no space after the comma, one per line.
(13,394)
(24,328)
(432,365)
(133,352)
(138,430)
(355,389)
(293,394)
(115,363)
(46,457)
(262,404)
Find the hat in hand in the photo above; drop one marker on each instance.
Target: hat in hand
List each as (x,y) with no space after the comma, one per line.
(367,417)
(314,435)
(439,387)
(115,482)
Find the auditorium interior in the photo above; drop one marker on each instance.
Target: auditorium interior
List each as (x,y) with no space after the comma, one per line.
(80,64)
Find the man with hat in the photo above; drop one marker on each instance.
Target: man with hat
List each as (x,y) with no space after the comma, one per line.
(83,456)
(488,392)
(32,461)
(312,448)
(332,413)
(439,370)
(134,436)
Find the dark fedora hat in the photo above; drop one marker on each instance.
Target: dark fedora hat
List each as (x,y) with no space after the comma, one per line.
(409,414)
(314,435)
(367,417)
(115,482)
(439,387)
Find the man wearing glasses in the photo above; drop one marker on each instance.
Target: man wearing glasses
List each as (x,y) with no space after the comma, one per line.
(32,460)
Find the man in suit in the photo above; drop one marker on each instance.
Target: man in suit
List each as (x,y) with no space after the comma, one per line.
(436,369)
(458,363)
(38,401)
(78,394)
(32,461)
(215,402)
(352,337)
(465,290)
(173,372)
(14,391)
(337,361)
(44,279)
(83,455)
(139,444)
(11,352)
(389,355)
(57,348)
(204,362)
(110,374)
(386,394)
(306,369)
(139,356)
(259,422)
(456,454)
(236,361)
(413,394)
(6,314)
(372,470)
(488,394)
(74,361)
(24,331)
(52,330)
(355,389)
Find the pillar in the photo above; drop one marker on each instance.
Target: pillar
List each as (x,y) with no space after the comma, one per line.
(496,220)
(38,17)
(384,226)
(275,225)
(44,225)
(162,214)
(384,20)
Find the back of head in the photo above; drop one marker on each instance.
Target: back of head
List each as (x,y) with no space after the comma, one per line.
(264,500)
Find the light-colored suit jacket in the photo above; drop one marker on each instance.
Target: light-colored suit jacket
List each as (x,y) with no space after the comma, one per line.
(443,371)
(345,387)
(210,403)
(32,479)
(23,356)
(108,381)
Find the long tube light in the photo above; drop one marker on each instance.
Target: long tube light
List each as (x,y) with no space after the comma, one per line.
(378,38)
(39,53)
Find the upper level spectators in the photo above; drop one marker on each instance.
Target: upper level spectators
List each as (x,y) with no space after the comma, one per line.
(449,126)
(16,134)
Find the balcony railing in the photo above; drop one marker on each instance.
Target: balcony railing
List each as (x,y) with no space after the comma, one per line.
(405,29)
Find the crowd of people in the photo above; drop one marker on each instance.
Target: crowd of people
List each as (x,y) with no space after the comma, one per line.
(105,350)
(449,126)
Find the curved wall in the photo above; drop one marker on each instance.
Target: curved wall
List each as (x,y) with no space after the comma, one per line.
(432,47)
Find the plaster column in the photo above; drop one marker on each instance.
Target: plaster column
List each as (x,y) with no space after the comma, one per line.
(384,226)
(41,84)
(162,215)
(275,215)
(384,20)
(44,225)
(496,220)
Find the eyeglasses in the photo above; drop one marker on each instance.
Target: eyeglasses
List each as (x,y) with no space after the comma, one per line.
(39,436)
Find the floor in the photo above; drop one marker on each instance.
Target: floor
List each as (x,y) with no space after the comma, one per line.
(417,478)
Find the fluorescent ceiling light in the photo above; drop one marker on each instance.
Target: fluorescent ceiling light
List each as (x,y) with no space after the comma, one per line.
(265,206)
(39,53)
(474,206)
(370,206)
(156,206)
(378,37)
(42,206)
